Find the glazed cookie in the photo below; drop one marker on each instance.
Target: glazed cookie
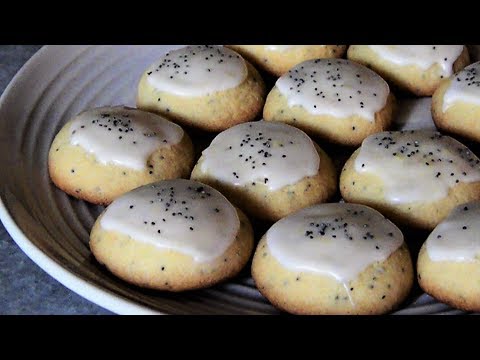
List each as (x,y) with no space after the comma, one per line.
(456,103)
(413,177)
(172,235)
(267,169)
(278,59)
(448,266)
(105,152)
(203,86)
(418,69)
(335,99)
(334,259)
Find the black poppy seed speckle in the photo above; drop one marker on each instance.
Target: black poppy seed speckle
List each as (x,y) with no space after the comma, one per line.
(118,125)
(330,228)
(255,151)
(320,84)
(470,76)
(417,148)
(178,64)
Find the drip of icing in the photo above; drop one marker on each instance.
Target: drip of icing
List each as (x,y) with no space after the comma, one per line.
(423,56)
(283,48)
(338,240)
(198,70)
(456,238)
(334,87)
(181,215)
(123,136)
(273,154)
(464,87)
(417,165)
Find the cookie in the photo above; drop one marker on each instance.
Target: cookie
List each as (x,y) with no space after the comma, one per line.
(418,69)
(267,169)
(448,266)
(334,259)
(456,103)
(173,235)
(334,99)
(203,86)
(105,152)
(278,59)
(413,177)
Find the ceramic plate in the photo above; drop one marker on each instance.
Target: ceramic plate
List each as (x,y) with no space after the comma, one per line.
(53,229)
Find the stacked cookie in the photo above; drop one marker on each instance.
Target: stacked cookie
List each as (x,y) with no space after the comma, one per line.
(180,220)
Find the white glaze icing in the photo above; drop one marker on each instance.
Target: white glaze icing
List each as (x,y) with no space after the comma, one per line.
(338,240)
(417,165)
(423,56)
(457,237)
(123,136)
(283,48)
(181,215)
(464,87)
(198,70)
(334,87)
(273,154)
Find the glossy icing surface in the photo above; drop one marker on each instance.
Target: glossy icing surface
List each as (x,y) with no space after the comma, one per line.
(269,153)
(417,165)
(457,237)
(198,70)
(123,136)
(181,215)
(334,87)
(423,56)
(338,240)
(464,87)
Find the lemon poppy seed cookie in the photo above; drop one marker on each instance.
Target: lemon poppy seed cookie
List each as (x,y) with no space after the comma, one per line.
(172,235)
(456,103)
(278,59)
(418,69)
(105,152)
(335,99)
(267,169)
(449,261)
(334,259)
(203,86)
(414,177)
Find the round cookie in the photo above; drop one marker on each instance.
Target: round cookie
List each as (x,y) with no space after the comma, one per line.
(448,266)
(172,235)
(105,152)
(334,259)
(337,100)
(267,169)
(204,86)
(414,177)
(278,59)
(456,103)
(418,69)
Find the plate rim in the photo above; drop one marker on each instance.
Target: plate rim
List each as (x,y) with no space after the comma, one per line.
(93,293)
